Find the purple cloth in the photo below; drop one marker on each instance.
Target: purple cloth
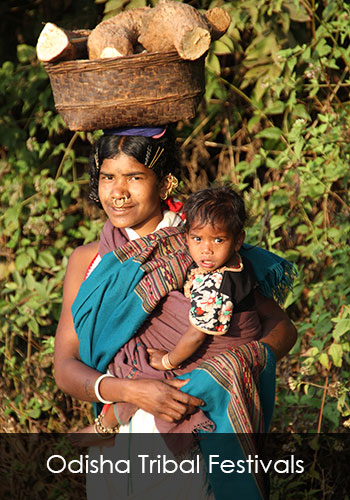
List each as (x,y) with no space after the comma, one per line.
(143,131)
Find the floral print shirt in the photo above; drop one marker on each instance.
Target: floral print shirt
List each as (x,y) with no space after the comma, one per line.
(216,295)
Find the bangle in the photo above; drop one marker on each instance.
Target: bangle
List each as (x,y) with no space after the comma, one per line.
(102,431)
(97,388)
(166,362)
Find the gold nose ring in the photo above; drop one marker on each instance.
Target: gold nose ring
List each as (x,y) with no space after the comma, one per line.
(119,202)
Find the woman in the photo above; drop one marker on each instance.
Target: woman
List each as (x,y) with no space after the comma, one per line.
(130,177)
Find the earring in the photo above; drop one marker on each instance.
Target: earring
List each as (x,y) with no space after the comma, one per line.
(172,184)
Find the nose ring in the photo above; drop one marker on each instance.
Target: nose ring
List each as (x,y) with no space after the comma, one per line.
(120,202)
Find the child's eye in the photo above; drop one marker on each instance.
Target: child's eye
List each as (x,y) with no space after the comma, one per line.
(135,177)
(196,238)
(218,240)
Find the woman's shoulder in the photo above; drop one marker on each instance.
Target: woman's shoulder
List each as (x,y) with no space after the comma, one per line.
(81,258)
(85,253)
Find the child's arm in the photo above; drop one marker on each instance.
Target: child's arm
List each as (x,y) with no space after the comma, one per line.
(191,340)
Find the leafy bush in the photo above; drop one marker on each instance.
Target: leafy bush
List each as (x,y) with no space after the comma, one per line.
(275,122)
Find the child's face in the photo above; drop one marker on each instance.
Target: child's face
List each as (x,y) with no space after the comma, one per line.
(213,246)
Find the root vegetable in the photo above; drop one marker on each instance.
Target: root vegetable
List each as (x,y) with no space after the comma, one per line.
(218,21)
(173,25)
(116,36)
(56,44)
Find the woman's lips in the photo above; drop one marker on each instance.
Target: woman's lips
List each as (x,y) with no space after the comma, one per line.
(121,209)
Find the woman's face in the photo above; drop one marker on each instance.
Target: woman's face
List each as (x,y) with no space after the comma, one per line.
(124,176)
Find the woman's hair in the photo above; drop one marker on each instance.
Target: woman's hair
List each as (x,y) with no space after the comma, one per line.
(162,155)
(216,205)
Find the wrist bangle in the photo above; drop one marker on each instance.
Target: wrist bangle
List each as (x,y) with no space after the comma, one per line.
(102,431)
(97,389)
(166,362)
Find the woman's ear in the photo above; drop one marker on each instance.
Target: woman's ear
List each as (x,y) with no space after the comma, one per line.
(167,185)
(163,188)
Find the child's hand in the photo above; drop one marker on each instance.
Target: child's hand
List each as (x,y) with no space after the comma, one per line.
(155,358)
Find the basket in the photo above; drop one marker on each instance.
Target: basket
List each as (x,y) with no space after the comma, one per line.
(138,90)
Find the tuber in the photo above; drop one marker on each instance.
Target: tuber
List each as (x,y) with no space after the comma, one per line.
(169,26)
(218,21)
(175,26)
(116,36)
(56,44)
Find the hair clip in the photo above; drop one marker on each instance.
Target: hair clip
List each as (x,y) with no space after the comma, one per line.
(96,159)
(156,157)
(148,155)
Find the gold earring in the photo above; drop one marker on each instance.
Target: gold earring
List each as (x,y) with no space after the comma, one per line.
(172,184)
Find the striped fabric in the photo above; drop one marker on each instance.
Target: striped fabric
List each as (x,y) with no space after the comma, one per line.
(164,261)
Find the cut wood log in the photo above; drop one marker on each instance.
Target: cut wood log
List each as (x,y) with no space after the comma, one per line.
(218,21)
(57,44)
(116,36)
(175,26)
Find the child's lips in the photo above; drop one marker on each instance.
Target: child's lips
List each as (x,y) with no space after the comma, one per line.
(207,264)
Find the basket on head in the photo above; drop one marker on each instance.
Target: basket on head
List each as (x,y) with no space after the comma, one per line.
(138,90)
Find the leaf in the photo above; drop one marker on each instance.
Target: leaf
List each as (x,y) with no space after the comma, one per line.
(324,360)
(46,259)
(270,133)
(223,46)
(343,326)
(25,53)
(336,352)
(33,326)
(23,261)
(34,413)
(276,108)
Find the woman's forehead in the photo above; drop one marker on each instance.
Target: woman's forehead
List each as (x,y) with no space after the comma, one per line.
(124,164)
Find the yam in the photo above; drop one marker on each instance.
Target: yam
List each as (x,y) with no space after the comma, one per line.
(218,21)
(116,36)
(175,26)
(56,44)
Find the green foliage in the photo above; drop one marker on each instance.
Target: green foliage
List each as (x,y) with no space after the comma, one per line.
(274,121)
(42,220)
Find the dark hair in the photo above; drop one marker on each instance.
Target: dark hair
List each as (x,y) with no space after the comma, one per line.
(143,149)
(216,205)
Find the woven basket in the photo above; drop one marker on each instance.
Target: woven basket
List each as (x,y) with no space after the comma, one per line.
(138,90)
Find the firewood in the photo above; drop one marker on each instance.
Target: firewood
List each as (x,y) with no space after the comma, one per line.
(56,44)
(116,36)
(175,26)
(218,21)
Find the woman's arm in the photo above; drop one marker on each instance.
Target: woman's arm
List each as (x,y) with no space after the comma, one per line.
(162,399)
(278,331)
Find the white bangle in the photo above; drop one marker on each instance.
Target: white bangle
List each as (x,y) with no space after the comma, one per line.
(166,362)
(97,388)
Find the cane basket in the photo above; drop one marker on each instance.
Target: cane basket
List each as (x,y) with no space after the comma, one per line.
(138,90)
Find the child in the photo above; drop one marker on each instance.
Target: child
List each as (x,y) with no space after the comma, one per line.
(222,283)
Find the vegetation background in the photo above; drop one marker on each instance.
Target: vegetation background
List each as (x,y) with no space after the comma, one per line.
(275,121)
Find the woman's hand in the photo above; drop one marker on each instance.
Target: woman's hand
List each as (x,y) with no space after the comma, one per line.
(162,399)
(155,358)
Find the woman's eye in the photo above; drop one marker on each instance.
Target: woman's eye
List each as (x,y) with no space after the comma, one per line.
(106,177)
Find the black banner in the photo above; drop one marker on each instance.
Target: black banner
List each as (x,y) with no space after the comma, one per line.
(155,467)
